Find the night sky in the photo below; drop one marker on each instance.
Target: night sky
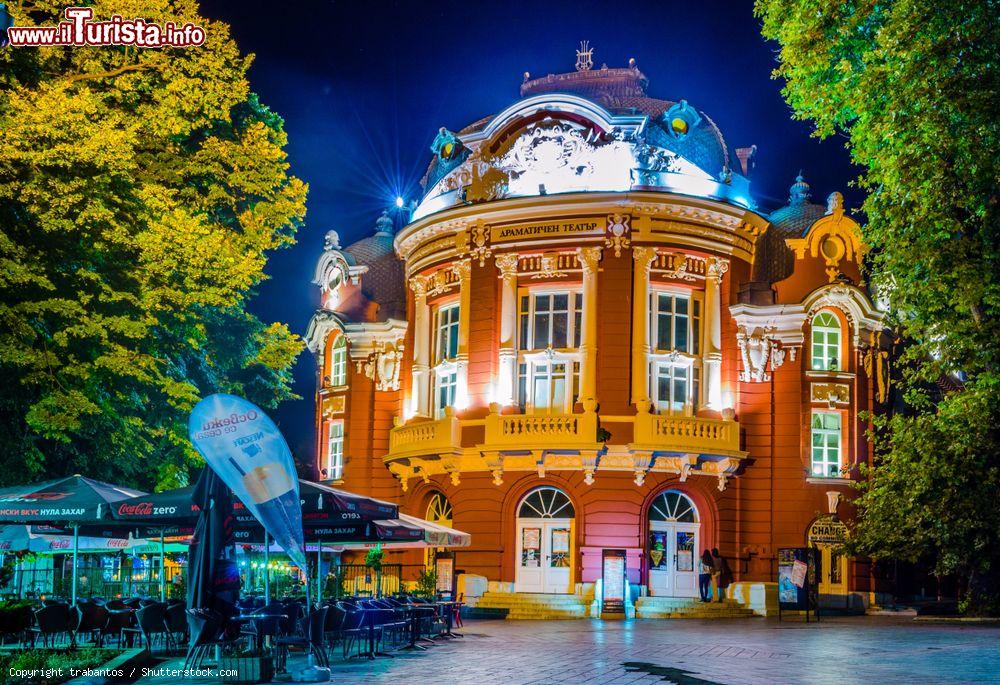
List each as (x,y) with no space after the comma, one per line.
(364,86)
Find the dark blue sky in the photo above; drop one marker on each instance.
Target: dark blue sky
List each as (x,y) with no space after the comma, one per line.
(363,87)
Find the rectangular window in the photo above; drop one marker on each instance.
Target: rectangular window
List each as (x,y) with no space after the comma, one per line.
(446,338)
(335,451)
(444,390)
(673,388)
(338,363)
(549,320)
(826,440)
(676,320)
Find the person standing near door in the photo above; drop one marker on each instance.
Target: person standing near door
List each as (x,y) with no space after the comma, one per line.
(718,564)
(705,577)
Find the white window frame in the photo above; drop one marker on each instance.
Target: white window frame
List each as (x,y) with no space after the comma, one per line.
(338,362)
(694,323)
(687,359)
(335,450)
(445,371)
(674,360)
(817,362)
(452,324)
(538,361)
(821,468)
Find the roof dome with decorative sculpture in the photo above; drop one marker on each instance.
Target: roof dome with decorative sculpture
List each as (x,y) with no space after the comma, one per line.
(587,130)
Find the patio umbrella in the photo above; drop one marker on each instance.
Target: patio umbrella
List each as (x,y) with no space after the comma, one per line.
(73,500)
(213,532)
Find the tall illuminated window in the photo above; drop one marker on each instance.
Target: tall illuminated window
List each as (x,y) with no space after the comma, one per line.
(675,342)
(338,362)
(826,444)
(445,351)
(825,351)
(549,330)
(335,451)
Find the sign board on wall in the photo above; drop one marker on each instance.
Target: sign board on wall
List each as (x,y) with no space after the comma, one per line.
(827,531)
(547,229)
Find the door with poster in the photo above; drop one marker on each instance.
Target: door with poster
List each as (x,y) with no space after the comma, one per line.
(673,549)
(544,542)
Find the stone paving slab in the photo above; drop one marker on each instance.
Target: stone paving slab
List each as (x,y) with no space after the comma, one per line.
(864,650)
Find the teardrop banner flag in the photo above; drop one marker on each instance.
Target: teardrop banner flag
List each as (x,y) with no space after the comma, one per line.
(247,451)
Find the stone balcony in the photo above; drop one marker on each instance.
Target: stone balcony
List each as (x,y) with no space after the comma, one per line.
(499,443)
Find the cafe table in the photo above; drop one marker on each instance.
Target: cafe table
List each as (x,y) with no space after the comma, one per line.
(255,618)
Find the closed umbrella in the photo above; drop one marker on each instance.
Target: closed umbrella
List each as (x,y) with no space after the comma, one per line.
(213,532)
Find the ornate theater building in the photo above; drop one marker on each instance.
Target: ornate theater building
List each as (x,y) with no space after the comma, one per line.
(588,340)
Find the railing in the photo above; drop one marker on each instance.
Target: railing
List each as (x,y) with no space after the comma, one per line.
(526,430)
(687,433)
(358,579)
(426,437)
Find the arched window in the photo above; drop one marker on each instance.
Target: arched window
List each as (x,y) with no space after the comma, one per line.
(673,506)
(338,362)
(826,342)
(546,503)
(439,510)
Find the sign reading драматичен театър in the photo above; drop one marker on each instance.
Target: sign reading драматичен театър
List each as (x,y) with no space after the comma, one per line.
(546,229)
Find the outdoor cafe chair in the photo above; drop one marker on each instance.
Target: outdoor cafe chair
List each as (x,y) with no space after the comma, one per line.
(208,631)
(310,637)
(177,624)
(151,621)
(352,627)
(118,621)
(50,622)
(90,620)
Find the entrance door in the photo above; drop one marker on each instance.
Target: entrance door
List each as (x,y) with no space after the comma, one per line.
(544,542)
(673,548)
(833,572)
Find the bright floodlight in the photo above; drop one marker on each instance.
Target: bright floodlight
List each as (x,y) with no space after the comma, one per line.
(399,201)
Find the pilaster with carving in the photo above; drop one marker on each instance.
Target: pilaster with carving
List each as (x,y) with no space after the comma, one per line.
(506,264)
(589,258)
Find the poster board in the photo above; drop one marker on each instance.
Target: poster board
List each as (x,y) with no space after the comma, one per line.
(445,569)
(613,581)
(798,572)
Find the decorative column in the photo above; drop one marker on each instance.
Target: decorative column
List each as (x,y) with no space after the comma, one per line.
(643,257)
(420,392)
(507,265)
(463,270)
(712,356)
(589,258)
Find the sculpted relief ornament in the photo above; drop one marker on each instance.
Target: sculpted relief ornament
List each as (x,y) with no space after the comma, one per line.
(617,233)
(382,365)
(757,348)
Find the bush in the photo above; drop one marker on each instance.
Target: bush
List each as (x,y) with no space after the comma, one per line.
(15,616)
(51,660)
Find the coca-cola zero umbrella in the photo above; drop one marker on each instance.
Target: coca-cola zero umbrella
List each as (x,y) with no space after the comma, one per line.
(73,500)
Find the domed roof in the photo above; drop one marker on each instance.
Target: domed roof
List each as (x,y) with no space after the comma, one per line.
(774,261)
(623,91)
(384,282)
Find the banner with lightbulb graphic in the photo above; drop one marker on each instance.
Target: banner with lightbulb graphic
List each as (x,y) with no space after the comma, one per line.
(247,451)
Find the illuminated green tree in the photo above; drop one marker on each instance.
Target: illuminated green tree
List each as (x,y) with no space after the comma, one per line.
(140,191)
(913,86)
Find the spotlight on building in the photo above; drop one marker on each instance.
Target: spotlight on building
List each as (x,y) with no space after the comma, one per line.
(399,202)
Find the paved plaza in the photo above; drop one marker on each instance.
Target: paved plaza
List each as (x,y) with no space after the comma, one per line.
(870,650)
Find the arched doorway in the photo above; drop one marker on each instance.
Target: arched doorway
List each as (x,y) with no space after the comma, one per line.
(673,545)
(544,542)
(439,511)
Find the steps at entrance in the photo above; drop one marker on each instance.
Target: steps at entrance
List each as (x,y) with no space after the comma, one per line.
(683,607)
(537,606)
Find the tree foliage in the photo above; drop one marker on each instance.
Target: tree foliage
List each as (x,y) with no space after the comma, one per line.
(140,191)
(913,86)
